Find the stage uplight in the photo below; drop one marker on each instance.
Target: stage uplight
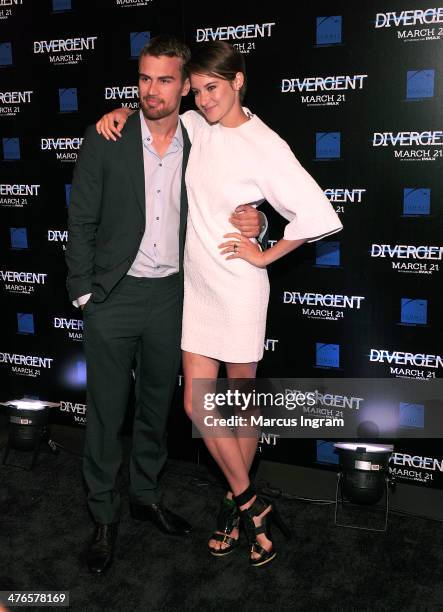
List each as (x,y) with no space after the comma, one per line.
(363,479)
(364,469)
(28,420)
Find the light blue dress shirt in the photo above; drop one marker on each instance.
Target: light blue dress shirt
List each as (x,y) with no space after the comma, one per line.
(158,254)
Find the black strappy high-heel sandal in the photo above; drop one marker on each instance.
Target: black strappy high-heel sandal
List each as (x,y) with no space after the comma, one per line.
(228,519)
(255,509)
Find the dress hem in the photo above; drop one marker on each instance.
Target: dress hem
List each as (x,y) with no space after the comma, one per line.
(218,356)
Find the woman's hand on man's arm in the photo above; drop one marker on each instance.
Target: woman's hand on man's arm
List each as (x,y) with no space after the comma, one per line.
(111,124)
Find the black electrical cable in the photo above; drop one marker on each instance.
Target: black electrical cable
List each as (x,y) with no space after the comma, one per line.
(265,489)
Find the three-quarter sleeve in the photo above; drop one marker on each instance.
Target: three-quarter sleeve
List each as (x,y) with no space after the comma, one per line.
(294,194)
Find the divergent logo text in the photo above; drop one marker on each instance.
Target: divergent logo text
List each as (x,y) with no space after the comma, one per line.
(240,32)
(63,45)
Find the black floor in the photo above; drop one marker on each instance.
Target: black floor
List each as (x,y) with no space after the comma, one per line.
(45,525)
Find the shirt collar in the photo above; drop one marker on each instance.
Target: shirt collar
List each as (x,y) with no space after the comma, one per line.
(146,134)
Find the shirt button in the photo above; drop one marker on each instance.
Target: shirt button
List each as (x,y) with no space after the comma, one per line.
(158,190)
(157,218)
(160,164)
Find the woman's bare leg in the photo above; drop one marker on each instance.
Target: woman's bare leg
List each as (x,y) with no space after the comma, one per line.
(248,444)
(234,460)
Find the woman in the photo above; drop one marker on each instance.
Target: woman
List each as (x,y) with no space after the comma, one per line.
(236,158)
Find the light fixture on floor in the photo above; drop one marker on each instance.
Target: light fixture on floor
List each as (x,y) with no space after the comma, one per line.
(28,427)
(363,478)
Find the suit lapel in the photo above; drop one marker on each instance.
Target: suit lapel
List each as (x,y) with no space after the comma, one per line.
(133,157)
(183,194)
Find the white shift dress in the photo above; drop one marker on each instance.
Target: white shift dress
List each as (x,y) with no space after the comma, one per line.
(225,302)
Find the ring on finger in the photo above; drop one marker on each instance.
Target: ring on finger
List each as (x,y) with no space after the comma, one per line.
(235,247)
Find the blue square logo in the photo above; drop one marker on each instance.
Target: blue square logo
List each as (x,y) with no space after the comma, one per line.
(414,312)
(327,355)
(68,100)
(416,201)
(25,323)
(68,188)
(138,41)
(81,372)
(19,237)
(329,30)
(75,373)
(411,415)
(5,54)
(58,6)
(327,145)
(326,452)
(420,84)
(327,253)
(11,149)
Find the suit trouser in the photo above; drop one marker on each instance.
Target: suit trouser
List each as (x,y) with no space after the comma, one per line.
(140,319)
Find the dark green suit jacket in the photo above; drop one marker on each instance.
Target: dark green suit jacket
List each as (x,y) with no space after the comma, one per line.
(107,210)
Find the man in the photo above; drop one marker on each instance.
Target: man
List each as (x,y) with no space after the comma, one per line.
(127,222)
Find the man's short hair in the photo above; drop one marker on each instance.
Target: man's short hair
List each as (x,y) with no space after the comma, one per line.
(171,46)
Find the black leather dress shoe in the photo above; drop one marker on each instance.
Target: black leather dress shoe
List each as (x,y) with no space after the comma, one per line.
(101,550)
(166,521)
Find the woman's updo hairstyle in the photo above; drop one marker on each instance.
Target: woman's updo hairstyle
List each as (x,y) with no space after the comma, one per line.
(219,59)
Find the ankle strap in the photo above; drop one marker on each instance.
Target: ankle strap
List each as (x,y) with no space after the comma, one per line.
(244,497)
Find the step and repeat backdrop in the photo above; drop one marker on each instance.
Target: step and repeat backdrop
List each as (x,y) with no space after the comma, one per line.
(355,89)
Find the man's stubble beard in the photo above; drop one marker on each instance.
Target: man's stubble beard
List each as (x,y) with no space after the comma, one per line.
(152,114)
